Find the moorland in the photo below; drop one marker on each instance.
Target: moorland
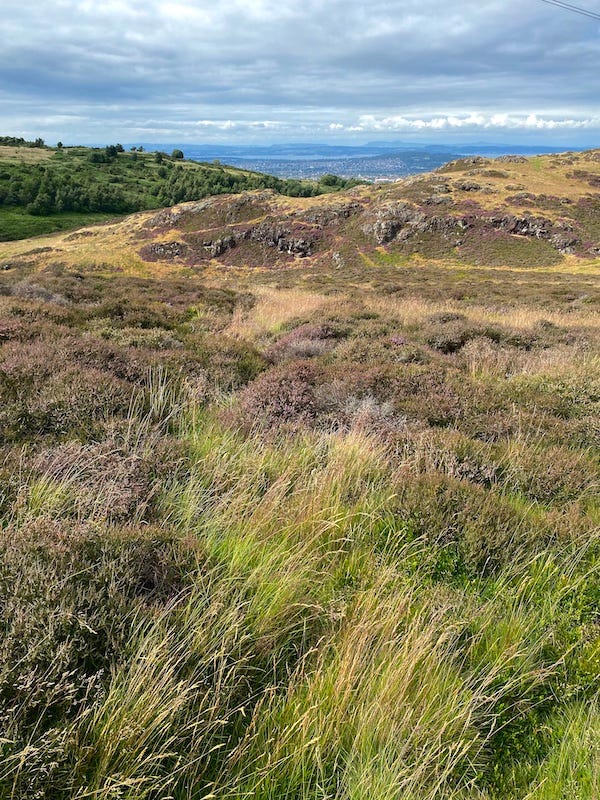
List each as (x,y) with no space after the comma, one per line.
(299,495)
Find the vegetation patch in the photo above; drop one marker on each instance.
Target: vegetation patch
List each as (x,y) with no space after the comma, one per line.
(323,530)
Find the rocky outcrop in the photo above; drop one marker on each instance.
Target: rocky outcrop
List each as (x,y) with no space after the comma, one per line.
(330,215)
(391,219)
(165,250)
(284,239)
(171,217)
(537,227)
(221,245)
(437,209)
(469,186)
(399,221)
(509,159)
(269,234)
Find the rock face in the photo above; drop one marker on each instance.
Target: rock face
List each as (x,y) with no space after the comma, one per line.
(399,221)
(306,233)
(159,251)
(331,215)
(220,246)
(391,219)
(267,234)
(512,159)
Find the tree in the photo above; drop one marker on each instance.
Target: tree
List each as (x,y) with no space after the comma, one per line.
(59,145)
(177,153)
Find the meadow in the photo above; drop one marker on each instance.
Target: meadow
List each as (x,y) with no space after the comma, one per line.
(316,527)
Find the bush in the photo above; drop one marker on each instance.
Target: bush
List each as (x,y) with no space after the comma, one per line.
(306,341)
(284,395)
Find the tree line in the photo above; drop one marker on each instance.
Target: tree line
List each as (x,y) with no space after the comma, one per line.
(111,181)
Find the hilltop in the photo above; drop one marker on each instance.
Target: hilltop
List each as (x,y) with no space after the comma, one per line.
(300,496)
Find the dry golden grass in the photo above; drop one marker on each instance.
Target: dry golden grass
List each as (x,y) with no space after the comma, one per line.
(414,310)
(27,155)
(272,310)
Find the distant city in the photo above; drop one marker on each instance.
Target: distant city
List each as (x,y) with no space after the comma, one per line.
(379,161)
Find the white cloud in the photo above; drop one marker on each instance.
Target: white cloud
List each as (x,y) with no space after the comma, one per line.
(473,120)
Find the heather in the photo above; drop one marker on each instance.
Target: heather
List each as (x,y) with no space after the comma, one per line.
(297,531)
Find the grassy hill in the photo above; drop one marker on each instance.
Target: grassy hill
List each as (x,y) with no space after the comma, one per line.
(300,496)
(51,189)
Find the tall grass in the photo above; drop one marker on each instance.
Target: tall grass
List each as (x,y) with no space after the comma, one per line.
(316,613)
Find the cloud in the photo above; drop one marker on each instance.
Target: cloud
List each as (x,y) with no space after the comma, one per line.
(473,121)
(287,68)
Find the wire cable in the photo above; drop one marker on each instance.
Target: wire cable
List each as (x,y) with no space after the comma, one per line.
(569,7)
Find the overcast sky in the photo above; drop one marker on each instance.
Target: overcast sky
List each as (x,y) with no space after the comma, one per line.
(230,71)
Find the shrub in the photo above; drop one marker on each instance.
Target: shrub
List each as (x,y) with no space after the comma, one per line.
(306,341)
(284,395)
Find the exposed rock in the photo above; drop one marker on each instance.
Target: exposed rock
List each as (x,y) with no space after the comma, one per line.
(509,159)
(441,188)
(390,220)
(438,200)
(266,233)
(297,247)
(220,246)
(521,199)
(564,242)
(469,186)
(170,217)
(537,227)
(400,221)
(338,260)
(330,214)
(167,249)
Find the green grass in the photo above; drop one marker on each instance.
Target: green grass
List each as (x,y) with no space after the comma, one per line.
(16,223)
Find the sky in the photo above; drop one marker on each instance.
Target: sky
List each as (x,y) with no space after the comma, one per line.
(268,71)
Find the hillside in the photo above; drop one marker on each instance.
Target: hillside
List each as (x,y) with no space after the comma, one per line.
(46,189)
(300,495)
